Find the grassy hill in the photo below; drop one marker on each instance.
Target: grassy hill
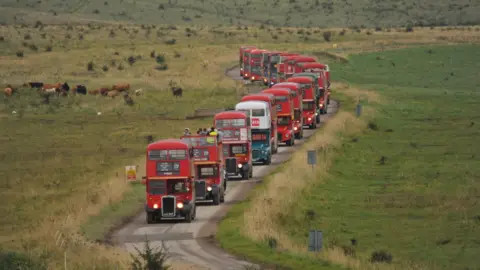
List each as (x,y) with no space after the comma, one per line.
(299,13)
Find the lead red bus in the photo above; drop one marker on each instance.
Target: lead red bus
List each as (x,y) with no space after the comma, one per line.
(297,106)
(285,114)
(236,133)
(241,58)
(210,184)
(311,112)
(170,176)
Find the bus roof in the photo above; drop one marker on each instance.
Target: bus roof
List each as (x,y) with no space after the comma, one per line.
(300,79)
(169,144)
(286,85)
(302,58)
(230,115)
(252,104)
(312,65)
(278,91)
(259,96)
(257,51)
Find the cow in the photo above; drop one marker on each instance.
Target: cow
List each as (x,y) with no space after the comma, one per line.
(103,91)
(80,89)
(177,91)
(113,93)
(34,84)
(128,99)
(94,92)
(138,92)
(8,91)
(121,87)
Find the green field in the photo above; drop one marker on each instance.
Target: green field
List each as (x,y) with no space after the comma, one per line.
(410,184)
(297,13)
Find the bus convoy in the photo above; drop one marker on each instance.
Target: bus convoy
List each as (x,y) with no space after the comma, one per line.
(181,173)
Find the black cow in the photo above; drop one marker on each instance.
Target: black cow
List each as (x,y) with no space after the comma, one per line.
(177,91)
(81,89)
(65,87)
(35,84)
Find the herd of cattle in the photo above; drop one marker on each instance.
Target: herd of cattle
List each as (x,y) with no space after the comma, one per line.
(63,89)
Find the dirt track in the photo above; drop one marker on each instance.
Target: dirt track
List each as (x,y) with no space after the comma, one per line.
(191,242)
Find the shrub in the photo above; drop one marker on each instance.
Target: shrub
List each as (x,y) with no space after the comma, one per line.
(105,68)
(150,258)
(381,256)
(2,39)
(131,60)
(19,54)
(152,54)
(120,67)
(160,59)
(48,48)
(171,41)
(90,66)
(38,24)
(13,260)
(27,37)
(33,47)
(327,35)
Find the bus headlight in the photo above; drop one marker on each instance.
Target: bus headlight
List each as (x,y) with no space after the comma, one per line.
(240,166)
(179,205)
(309,119)
(295,128)
(209,188)
(253,77)
(155,206)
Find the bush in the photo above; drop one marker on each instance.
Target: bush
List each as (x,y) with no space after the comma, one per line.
(14,260)
(160,59)
(171,41)
(90,66)
(27,37)
(327,35)
(33,47)
(48,48)
(131,60)
(105,68)
(150,258)
(381,256)
(19,54)
(2,39)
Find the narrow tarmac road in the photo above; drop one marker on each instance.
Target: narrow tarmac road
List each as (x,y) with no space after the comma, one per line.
(191,242)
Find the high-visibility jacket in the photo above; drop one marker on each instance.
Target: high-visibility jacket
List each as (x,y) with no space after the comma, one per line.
(213,133)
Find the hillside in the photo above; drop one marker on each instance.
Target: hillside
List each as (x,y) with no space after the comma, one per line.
(299,13)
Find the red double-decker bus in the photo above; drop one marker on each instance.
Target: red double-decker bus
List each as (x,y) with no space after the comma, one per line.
(311,112)
(323,72)
(242,58)
(285,114)
(274,67)
(255,60)
(234,127)
(297,106)
(170,176)
(210,184)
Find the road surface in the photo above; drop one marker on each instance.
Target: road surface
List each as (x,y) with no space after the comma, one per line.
(191,242)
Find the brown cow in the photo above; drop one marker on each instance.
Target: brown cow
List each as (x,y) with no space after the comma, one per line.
(113,93)
(94,92)
(103,91)
(8,91)
(121,87)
